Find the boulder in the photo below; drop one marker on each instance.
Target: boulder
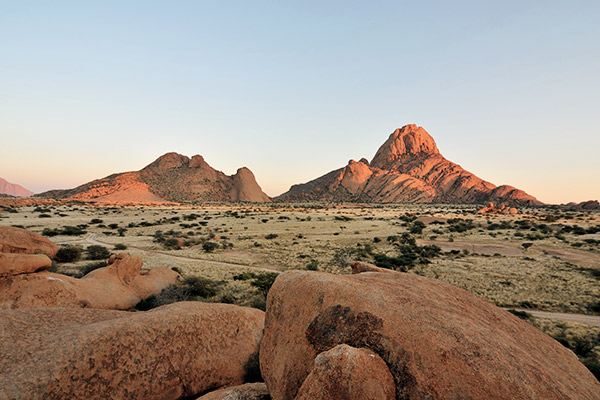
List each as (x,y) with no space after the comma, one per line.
(247,391)
(438,341)
(360,267)
(174,351)
(347,373)
(118,286)
(14,264)
(17,240)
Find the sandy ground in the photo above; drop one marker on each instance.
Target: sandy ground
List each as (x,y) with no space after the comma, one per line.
(551,275)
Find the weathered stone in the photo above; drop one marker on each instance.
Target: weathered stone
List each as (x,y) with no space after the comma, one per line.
(247,391)
(347,373)
(14,264)
(438,341)
(118,286)
(22,241)
(170,352)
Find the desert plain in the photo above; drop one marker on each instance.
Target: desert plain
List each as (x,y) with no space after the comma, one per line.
(541,259)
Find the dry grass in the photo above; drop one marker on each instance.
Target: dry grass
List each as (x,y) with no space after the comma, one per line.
(551,275)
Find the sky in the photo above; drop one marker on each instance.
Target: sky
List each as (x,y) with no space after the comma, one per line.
(510,90)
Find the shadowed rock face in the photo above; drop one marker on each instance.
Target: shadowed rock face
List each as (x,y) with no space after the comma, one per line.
(438,341)
(171,352)
(408,167)
(172,177)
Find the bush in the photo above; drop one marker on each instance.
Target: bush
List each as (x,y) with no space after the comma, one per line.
(417,227)
(210,246)
(97,252)
(202,287)
(120,246)
(313,265)
(68,254)
(271,236)
(86,269)
(264,281)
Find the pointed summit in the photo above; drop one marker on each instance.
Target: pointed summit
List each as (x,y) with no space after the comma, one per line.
(408,167)
(12,189)
(409,140)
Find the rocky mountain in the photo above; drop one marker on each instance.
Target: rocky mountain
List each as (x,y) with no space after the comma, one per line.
(12,189)
(408,167)
(172,177)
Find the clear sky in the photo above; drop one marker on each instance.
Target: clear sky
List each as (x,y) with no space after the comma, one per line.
(510,90)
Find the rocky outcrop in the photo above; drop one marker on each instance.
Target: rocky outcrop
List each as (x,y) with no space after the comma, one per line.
(171,178)
(15,264)
(22,241)
(118,286)
(590,205)
(408,167)
(347,373)
(12,189)
(491,208)
(174,351)
(360,267)
(247,391)
(438,341)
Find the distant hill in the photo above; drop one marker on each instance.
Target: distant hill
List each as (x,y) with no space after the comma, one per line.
(408,167)
(12,189)
(172,177)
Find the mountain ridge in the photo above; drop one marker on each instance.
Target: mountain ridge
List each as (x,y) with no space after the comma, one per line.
(172,177)
(13,189)
(407,167)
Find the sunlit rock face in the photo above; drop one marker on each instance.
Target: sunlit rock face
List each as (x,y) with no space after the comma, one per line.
(170,178)
(408,167)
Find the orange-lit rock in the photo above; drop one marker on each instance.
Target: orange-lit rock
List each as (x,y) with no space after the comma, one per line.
(439,342)
(171,352)
(408,167)
(17,240)
(118,286)
(170,178)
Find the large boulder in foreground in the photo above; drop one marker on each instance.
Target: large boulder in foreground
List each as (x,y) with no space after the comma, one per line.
(17,240)
(173,351)
(345,372)
(247,391)
(118,286)
(438,341)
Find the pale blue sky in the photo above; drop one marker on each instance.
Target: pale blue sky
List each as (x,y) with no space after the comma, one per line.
(510,90)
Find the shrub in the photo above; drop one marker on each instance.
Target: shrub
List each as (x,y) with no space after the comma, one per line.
(97,252)
(86,269)
(202,287)
(271,236)
(526,245)
(120,246)
(264,280)
(313,265)
(210,246)
(417,227)
(68,254)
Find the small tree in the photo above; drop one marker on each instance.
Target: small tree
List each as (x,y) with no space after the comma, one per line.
(526,245)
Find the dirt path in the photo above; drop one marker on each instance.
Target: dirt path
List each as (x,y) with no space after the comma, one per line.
(593,320)
(91,239)
(577,257)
